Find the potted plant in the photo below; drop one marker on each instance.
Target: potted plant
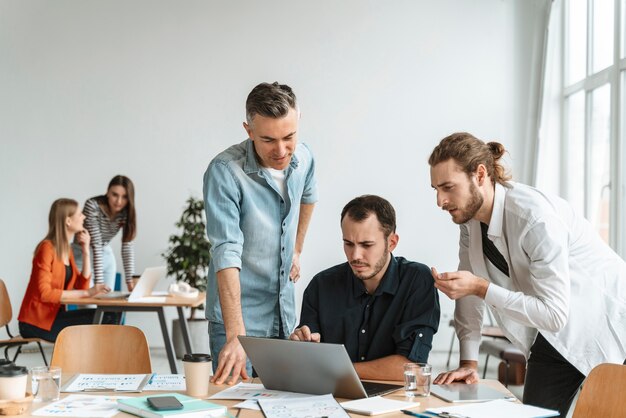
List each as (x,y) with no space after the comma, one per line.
(187,260)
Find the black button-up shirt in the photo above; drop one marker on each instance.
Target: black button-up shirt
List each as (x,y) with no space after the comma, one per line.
(401,316)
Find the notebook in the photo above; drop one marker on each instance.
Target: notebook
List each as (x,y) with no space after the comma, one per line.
(192,407)
(463,392)
(377,405)
(305,367)
(143,288)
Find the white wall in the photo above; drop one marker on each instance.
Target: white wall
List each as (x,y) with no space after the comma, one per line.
(154,89)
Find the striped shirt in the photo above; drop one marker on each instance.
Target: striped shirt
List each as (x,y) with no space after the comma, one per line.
(102,230)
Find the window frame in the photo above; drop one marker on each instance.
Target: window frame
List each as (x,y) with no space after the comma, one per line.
(613,76)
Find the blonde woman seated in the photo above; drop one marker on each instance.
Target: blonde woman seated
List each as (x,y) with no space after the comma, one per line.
(55,276)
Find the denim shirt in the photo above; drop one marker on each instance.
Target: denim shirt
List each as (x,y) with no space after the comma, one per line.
(252,228)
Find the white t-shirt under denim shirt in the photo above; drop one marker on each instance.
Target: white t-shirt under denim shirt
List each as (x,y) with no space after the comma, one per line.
(251,228)
(279,178)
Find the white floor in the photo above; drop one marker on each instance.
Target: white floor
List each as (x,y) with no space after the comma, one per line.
(31,357)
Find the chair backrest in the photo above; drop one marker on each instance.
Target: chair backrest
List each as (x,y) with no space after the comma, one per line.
(603,393)
(6,312)
(120,349)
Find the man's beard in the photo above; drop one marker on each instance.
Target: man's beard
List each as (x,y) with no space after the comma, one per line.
(378,266)
(471,208)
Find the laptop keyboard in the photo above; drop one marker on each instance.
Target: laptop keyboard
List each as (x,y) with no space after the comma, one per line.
(376,389)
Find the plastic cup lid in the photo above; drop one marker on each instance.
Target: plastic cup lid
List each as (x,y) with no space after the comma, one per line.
(13,370)
(197,358)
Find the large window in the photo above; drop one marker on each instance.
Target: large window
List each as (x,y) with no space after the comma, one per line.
(594,69)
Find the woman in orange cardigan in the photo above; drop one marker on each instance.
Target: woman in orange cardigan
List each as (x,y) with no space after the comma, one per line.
(55,276)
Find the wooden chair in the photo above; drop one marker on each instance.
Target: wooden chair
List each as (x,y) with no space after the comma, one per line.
(513,360)
(603,393)
(121,349)
(6,314)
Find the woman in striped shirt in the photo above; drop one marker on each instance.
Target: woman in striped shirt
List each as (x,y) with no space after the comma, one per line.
(105,216)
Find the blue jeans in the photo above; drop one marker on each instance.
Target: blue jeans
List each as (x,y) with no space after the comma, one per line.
(109,266)
(217,340)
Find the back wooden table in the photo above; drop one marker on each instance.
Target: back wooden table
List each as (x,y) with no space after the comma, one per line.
(123,305)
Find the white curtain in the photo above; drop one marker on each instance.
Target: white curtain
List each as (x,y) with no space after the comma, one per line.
(547,173)
(538,66)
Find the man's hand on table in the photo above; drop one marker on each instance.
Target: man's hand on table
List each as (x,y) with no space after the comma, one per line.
(232,358)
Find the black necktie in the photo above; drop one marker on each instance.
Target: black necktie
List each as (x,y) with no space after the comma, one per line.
(492,253)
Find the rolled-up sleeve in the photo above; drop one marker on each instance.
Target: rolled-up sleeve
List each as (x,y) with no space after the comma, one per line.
(222,197)
(414,335)
(309,315)
(310,194)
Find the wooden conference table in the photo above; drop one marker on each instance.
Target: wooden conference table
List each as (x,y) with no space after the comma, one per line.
(426,402)
(123,305)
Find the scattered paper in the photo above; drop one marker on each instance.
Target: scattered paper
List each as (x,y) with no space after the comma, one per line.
(106,383)
(497,409)
(88,406)
(254,391)
(166,382)
(254,405)
(313,406)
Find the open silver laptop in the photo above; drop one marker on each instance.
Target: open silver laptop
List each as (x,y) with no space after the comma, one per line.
(143,288)
(304,367)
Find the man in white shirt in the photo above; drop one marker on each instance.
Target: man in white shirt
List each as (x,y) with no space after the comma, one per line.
(555,288)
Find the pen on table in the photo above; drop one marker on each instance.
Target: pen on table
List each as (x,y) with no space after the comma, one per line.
(419,414)
(98,389)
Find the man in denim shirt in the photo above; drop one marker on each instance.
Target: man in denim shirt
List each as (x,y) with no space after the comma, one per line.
(259,197)
(383,309)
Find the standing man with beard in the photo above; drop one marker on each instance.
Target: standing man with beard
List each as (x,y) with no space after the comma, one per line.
(384,309)
(555,288)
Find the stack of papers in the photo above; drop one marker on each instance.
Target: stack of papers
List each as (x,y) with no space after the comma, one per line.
(496,409)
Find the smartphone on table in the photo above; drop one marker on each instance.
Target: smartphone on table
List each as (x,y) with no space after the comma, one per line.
(164,403)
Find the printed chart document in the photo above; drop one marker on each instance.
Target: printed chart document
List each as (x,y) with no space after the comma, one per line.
(167,382)
(497,409)
(106,383)
(88,406)
(313,406)
(377,405)
(251,392)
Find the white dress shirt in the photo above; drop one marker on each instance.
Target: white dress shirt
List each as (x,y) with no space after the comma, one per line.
(564,280)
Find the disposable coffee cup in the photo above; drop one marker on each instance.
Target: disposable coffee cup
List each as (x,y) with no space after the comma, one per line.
(13,382)
(197,374)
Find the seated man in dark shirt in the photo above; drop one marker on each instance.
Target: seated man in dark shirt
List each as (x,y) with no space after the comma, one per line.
(384,309)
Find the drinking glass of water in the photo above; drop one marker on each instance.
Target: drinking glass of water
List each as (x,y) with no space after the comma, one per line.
(46,383)
(417,379)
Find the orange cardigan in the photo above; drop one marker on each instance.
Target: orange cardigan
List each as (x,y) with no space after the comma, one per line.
(42,300)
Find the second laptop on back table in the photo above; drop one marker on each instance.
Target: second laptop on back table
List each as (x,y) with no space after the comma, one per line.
(143,288)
